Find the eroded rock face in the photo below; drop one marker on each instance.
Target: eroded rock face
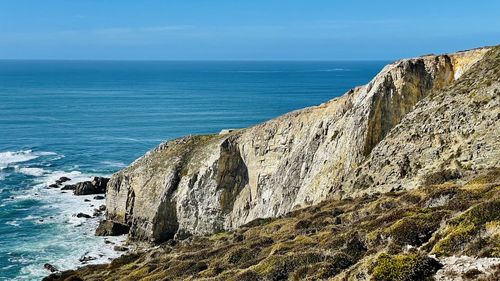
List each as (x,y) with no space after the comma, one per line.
(450,135)
(205,184)
(110,228)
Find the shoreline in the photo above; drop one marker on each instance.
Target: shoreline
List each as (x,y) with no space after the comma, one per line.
(87,216)
(64,224)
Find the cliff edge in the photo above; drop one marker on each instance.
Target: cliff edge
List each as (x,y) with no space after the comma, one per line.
(410,121)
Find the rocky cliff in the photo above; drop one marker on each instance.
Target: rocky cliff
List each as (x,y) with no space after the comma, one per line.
(417,119)
(406,168)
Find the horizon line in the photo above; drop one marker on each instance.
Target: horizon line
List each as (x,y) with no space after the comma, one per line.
(194,60)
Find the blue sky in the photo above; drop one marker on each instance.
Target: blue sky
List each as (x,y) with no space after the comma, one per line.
(249,30)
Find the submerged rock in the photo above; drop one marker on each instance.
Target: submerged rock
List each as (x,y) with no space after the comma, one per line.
(50,267)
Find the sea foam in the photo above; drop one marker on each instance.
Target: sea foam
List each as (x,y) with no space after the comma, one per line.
(12,157)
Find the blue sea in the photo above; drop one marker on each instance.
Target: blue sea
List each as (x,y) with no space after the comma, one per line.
(84,118)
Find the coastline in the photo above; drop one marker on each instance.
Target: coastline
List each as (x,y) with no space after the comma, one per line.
(66,238)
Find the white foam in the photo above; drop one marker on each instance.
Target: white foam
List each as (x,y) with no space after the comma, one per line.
(36,172)
(73,237)
(76,235)
(334,70)
(12,157)
(114,164)
(9,157)
(12,223)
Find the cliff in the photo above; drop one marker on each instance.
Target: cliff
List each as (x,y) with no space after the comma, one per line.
(403,175)
(409,122)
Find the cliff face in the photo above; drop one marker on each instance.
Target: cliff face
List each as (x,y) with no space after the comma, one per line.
(451,135)
(205,184)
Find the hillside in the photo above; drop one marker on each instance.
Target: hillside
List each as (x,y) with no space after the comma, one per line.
(383,237)
(204,184)
(402,176)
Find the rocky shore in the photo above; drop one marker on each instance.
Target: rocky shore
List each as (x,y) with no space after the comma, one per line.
(395,180)
(95,186)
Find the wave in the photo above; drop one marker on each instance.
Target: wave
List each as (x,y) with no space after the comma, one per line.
(13,157)
(13,223)
(36,172)
(291,71)
(114,164)
(67,237)
(50,177)
(334,70)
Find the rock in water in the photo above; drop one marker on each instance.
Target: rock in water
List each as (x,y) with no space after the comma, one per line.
(62,180)
(96,186)
(69,187)
(82,215)
(110,228)
(50,267)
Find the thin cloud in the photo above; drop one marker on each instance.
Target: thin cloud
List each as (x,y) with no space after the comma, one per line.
(135,30)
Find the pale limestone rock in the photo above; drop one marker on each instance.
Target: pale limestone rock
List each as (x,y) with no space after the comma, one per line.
(204,184)
(457,268)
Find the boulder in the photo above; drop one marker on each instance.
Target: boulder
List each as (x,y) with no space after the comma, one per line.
(82,215)
(69,187)
(120,248)
(86,259)
(62,180)
(50,267)
(97,212)
(110,228)
(99,197)
(96,186)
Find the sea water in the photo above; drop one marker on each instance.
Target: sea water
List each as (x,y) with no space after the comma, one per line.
(84,118)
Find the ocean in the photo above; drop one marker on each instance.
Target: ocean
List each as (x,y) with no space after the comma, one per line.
(84,118)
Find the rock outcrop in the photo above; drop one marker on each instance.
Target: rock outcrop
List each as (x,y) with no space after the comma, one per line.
(205,184)
(96,186)
(452,134)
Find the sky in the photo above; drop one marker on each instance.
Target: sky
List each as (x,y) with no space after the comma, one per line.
(243,30)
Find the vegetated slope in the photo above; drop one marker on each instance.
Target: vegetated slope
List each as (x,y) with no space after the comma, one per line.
(381,237)
(204,184)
